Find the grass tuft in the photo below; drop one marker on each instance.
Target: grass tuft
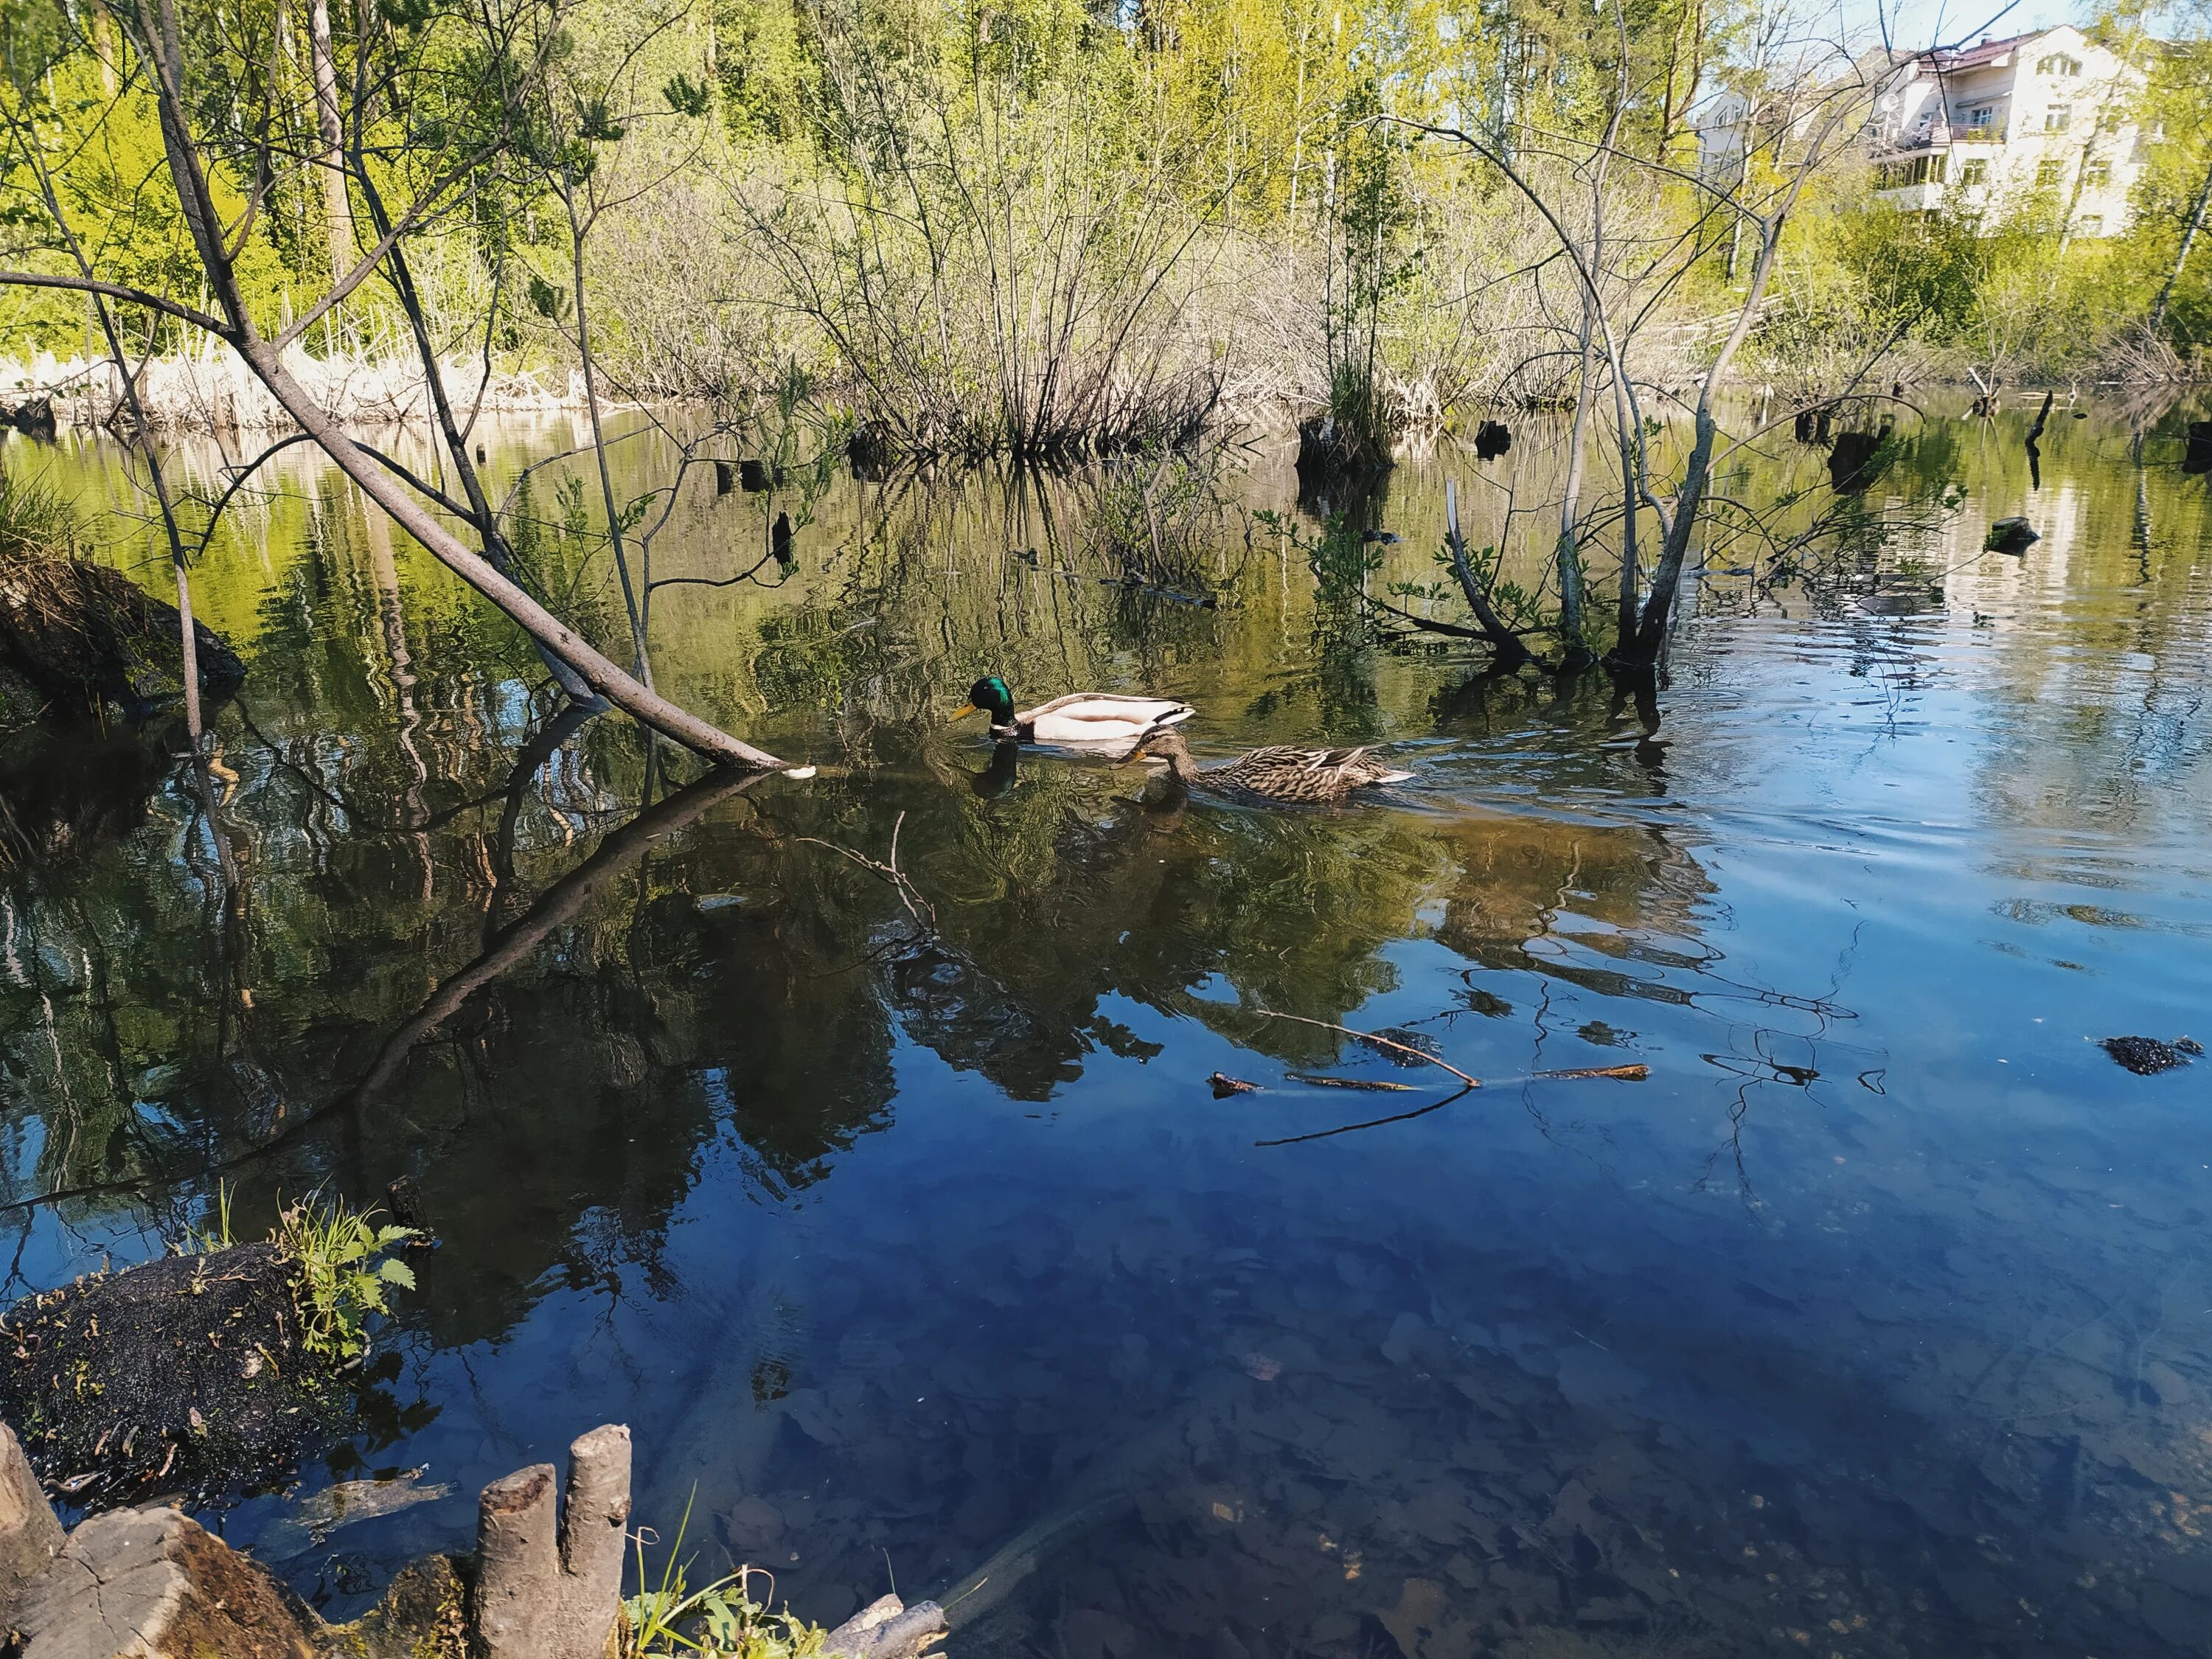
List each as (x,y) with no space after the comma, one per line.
(37,521)
(716,1620)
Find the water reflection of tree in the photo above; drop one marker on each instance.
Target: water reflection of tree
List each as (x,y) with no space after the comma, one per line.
(395,821)
(731,981)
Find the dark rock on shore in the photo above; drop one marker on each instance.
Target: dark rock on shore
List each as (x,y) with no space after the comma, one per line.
(183,1374)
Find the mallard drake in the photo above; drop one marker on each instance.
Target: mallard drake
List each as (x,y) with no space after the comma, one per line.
(1279,772)
(1089,718)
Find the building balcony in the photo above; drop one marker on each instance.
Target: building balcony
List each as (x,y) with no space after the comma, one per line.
(1942,134)
(1923,198)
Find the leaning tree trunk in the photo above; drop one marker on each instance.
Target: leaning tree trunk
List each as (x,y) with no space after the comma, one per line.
(160,41)
(1650,638)
(1505,645)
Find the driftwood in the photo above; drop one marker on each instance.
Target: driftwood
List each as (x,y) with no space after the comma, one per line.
(887,1629)
(1378,1086)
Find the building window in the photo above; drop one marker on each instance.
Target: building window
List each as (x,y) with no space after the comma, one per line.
(1973,172)
(2057,118)
(2048,173)
(2090,224)
(1901,175)
(2096,175)
(1982,117)
(2058,65)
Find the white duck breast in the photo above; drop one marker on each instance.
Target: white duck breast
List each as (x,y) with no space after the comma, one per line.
(1100,717)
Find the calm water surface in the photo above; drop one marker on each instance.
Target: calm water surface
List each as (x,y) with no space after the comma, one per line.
(903,1227)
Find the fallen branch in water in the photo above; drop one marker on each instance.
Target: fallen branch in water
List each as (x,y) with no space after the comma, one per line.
(1379,1086)
(923,912)
(1380,1041)
(1631,1073)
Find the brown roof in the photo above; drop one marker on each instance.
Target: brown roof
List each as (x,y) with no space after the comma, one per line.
(1948,60)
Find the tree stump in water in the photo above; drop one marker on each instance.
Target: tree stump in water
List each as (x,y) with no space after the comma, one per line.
(549,1583)
(35,417)
(2196,456)
(1857,459)
(29,1533)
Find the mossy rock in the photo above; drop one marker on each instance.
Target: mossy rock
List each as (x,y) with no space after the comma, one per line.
(424,1615)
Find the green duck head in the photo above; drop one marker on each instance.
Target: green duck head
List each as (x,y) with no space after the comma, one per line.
(991,696)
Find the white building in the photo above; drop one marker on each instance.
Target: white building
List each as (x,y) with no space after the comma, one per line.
(2045,120)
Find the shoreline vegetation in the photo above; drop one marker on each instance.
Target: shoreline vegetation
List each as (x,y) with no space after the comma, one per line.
(214,393)
(1045,234)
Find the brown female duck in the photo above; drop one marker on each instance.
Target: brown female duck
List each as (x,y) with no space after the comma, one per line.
(1312,777)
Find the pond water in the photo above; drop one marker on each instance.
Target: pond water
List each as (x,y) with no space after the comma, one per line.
(901,1223)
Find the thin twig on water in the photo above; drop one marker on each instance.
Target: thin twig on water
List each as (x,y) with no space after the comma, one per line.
(917,907)
(1378,1085)
(1380,1041)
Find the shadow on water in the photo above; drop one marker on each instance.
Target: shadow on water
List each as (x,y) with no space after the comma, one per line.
(851,1138)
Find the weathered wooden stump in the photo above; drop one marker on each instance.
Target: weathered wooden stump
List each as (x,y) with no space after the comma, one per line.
(151,1585)
(549,1583)
(30,1536)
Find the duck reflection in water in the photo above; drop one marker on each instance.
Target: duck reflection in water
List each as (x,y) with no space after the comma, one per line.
(998,777)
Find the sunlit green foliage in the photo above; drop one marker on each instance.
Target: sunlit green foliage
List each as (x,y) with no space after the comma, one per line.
(346,1272)
(715,1620)
(935,208)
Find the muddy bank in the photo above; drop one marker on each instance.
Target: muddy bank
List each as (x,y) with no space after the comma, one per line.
(184,1374)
